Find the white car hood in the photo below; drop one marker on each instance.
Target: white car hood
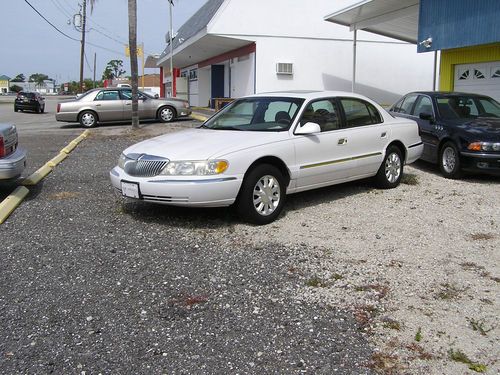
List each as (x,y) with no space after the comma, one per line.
(202,144)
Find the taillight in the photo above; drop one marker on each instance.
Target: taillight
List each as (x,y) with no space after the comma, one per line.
(2,148)
(58,107)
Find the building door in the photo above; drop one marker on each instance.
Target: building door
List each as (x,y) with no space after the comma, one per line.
(480,78)
(217,90)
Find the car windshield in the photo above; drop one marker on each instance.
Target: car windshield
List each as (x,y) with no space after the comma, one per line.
(257,114)
(467,107)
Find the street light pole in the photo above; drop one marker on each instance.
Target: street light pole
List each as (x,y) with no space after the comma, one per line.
(82,50)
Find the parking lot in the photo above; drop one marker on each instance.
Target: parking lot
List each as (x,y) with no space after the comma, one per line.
(350,279)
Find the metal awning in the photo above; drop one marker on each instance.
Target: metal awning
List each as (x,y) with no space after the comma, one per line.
(396,19)
(152,61)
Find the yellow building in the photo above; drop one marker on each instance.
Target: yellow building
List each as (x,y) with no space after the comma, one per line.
(4,84)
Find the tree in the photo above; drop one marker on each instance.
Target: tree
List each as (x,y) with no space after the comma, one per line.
(114,69)
(19,78)
(16,88)
(38,78)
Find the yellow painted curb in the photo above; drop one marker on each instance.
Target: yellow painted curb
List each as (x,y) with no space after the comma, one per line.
(10,203)
(59,158)
(37,176)
(199,117)
(70,147)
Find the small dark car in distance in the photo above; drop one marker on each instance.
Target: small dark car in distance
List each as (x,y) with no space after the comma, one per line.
(461,132)
(31,101)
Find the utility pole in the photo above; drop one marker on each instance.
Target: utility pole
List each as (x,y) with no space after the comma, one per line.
(82,51)
(95,57)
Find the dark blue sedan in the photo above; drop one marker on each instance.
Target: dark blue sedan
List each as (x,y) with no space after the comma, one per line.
(461,132)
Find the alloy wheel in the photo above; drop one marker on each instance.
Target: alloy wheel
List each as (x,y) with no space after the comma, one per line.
(266,195)
(393,167)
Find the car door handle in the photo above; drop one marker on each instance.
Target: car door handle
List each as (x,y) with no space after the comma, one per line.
(383,135)
(128,103)
(97,105)
(342,141)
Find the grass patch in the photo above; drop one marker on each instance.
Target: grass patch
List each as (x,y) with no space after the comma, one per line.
(386,363)
(391,323)
(337,276)
(449,292)
(418,335)
(315,282)
(64,195)
(479,326)
(410,179)
(481,236)
(419,351)
(379,289)
(459,356)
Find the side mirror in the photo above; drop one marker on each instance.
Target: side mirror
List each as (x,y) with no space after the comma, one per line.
(426,116)
(308,128)
(157,96)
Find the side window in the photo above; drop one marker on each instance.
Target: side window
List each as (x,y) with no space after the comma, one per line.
(126,94)
(359,113)
(397,107)
(322,112)
(424,105)
(281,112)
(407,104)
(107,95)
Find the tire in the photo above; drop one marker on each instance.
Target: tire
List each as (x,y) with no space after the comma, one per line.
(15,109)
(391,170)
(166,114)
(42,110)
(37,109)
(262,195)
(449,161)
(88,119)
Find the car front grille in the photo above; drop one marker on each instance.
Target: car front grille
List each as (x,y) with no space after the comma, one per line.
(145,165)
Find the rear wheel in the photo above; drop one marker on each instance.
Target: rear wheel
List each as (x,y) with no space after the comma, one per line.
(390,172)
(449,161)
(166,114)
(88,119)
(262,195)
(15,109)
(42,109)
(37,109)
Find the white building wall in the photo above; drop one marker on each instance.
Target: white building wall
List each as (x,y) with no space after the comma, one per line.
(243,76)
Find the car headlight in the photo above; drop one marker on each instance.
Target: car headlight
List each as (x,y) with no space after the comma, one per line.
(121,161)
(195,167)
(484,146)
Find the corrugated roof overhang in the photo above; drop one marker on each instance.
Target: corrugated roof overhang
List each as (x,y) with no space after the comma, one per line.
(396,19)
(200,49)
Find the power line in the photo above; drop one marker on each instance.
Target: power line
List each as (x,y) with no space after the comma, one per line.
(50,23)
(60,8)
(69,37)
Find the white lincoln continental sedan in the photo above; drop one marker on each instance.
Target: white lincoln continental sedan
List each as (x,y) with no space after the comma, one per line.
(260,148)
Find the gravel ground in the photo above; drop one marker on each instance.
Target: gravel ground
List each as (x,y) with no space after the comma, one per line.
(91,284)
(349,280)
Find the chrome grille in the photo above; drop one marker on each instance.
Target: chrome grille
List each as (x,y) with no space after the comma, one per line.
(144,165)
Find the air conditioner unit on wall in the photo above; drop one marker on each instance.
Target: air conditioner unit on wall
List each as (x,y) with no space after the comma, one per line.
(284,68)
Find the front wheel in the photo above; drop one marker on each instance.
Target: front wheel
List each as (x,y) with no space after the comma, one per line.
(88,119)
(42,110)
(166,114)
(449,161)
(262,195)
(15,109)
(390,172)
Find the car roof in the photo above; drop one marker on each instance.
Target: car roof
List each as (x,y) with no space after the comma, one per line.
(309,94)
(447,93)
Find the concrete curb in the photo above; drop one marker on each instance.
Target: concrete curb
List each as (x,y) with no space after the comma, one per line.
(199,117)
(9,204)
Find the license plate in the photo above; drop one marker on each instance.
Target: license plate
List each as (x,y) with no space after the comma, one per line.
(130,189)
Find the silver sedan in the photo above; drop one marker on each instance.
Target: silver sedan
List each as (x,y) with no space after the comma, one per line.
(115,105)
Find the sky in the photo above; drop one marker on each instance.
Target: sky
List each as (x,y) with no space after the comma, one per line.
(30,45)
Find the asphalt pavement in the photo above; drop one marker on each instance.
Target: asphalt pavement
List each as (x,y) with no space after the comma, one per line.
(93,284)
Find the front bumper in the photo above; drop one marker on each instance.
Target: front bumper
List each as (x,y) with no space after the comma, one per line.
(189,191)
(13,165)
(480,162)
(184,112)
